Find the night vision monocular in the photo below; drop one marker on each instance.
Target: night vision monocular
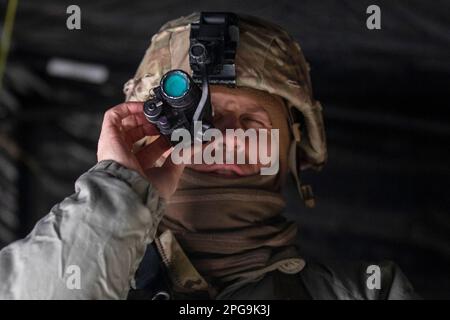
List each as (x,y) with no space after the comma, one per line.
(181,100)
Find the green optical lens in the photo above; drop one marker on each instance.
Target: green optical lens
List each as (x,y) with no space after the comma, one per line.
(176,84)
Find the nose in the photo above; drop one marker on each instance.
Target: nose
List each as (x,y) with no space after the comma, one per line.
(230,121)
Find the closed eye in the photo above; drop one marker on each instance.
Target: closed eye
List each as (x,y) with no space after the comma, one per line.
(254,123)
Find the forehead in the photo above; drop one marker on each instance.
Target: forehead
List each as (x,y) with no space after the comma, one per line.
(249,98)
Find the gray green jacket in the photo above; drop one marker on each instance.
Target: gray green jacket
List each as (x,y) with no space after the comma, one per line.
(90,245)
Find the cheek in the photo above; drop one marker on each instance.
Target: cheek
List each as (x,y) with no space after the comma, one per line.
(263,146)
(266,142)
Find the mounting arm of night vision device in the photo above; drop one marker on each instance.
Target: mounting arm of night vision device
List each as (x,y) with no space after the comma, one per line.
(178,102)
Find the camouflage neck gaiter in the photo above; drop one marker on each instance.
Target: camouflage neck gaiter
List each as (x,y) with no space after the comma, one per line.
(231,228)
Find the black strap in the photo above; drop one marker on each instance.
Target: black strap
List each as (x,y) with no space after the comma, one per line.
(152,281)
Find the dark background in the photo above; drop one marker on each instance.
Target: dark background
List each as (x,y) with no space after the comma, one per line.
(384,192)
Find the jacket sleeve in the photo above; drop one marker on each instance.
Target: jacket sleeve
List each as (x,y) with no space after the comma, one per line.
(89,245)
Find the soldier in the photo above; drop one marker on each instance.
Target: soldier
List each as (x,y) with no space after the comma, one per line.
(194,231)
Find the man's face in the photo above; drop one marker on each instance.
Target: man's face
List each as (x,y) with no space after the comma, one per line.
(239,108)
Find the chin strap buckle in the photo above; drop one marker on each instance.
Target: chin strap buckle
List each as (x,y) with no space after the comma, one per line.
(295,128)
(307,196)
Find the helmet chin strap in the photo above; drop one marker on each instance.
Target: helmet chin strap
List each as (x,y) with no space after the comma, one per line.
(305,190)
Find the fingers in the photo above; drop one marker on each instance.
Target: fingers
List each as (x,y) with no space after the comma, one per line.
(133,120)
(137,133)
(136,126)
(125,109)
(165,178)
(127,120)
(113,117)
(148,155)
(175,169)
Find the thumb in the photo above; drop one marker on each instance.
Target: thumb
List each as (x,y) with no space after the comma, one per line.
(165,178)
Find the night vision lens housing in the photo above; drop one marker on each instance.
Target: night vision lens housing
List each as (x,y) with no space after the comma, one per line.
(178,102)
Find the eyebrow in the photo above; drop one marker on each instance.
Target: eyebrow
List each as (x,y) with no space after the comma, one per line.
(254,108)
